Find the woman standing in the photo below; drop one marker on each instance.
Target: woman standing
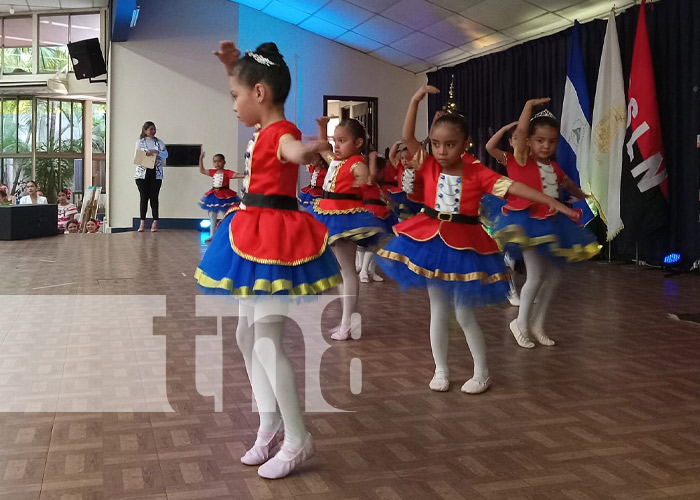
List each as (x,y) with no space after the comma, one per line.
(149,180)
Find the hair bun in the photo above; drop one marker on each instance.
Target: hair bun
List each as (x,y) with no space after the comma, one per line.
(269,49)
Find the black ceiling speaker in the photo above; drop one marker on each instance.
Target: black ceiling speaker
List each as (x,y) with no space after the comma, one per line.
(86,56)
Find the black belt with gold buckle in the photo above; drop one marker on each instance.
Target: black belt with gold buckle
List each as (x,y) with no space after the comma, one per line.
(448,217)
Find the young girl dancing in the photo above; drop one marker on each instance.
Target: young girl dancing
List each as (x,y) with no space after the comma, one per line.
(341,209)
(543,236)
(220,197)
(445,248)
(406,195)
(267,246)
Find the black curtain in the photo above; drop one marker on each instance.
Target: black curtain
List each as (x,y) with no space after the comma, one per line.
(492,89)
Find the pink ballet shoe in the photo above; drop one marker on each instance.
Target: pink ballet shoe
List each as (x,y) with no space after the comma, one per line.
(261,453)
(142,227)
(439,383)
(282,464)
(473,386)
(542,337)
(377,278)
(520,337)
(341,335)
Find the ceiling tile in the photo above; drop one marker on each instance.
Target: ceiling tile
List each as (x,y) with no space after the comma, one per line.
(343,14)
(446,57)
(456,5)
(543,24)
(593,8)
(285,12)
(382,30)
(75,4)
(418,66)
(358,42)
(491,13)
(393,56)
(375,5)
(100,3)
(255,4)
(321,27)
(416,13)
(487,43)
(457,30)
(419,45)
(309,6)
(554,5)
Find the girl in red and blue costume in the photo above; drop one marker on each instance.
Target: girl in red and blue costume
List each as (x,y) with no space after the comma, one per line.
(220,197)
(407,195)
(268,247)
(342,210)
(445,248)
(308,194)
(546,239)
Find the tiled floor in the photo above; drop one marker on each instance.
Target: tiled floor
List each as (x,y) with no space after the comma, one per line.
(109,322)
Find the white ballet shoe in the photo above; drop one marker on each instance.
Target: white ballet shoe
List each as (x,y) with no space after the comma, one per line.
(364,278)
(473,386)
(542,337)
(520,338)
(262,452)
(282,464)
(439,383)
(377,278)
(514,299)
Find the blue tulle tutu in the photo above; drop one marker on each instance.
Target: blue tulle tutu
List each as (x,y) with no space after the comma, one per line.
(404,207)
(223,271)
(306,200)
(470,278)
(363,227)
(390,222)
(211,203)
(556,236)
(489,211)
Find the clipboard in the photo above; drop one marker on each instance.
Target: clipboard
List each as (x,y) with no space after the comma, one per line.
(141,159)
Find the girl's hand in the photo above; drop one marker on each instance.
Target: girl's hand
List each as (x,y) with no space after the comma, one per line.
(425,90)
(201,155)
(228,53)
(511,125)
(557,206)
(437,115)
(537,102)
(323,120)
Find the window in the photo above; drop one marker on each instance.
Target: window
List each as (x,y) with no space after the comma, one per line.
(55,32)
(17,45)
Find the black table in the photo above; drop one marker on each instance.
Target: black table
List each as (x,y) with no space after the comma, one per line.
(19,222)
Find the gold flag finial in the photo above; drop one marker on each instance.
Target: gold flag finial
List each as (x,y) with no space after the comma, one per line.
(451,107)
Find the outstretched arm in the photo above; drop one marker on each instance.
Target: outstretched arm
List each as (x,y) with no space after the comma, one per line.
(572,188)
(492,146)
(299,152)
(522,191)
(521,131)
(409,125)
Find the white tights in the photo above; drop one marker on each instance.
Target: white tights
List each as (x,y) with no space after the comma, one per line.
(259,336)
(214,218)
(439,333)
(344,251)
(542,278)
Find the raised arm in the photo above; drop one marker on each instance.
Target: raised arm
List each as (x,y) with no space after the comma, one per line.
(522,191)
(201,164)
(492,146)
(393,159)
(228,54)
(372,157)
(322,122)
(408,134)
(521,131)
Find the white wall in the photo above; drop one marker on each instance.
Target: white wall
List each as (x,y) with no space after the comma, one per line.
(322,67)
(166,73)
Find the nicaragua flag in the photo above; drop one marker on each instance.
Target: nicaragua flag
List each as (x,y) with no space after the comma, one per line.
(575,139)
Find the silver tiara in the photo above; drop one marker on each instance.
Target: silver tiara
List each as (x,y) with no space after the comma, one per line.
(544,113)
(260,59)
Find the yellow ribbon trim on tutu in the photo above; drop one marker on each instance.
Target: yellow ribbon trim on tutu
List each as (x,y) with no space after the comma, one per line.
(516,234)
(437,274)
(276,262)
(357,234)
(338,212)
(271,287)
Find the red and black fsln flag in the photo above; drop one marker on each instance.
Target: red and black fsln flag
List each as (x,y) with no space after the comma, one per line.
(644,187)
